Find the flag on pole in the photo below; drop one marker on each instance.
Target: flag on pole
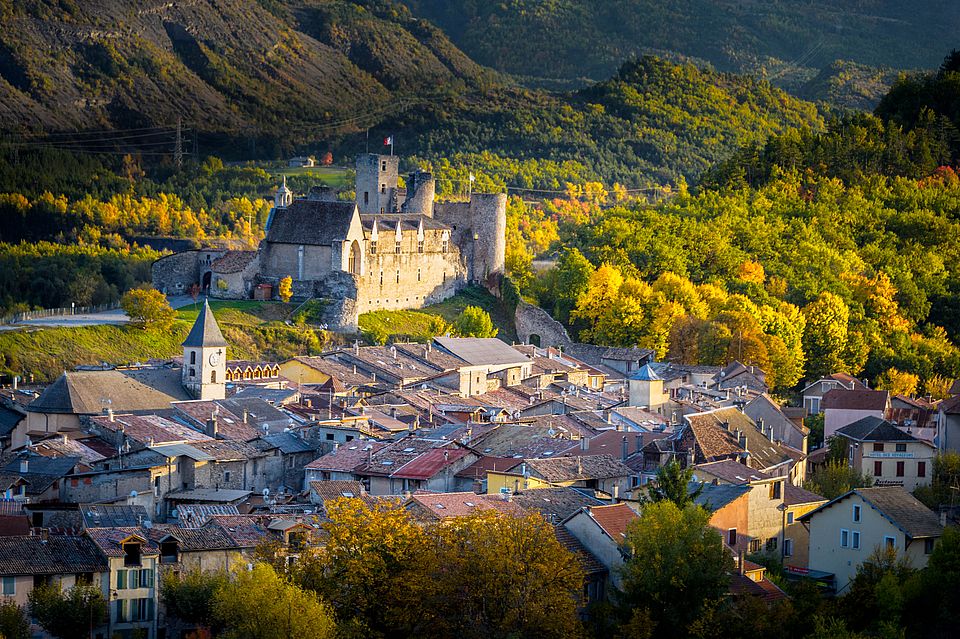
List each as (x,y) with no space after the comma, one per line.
(388,141)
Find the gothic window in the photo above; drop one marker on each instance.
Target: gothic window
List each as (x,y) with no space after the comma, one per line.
(373,246)
(396,248)
(445,246)
(420,246)
(213,377)
(355,258)
(193,357)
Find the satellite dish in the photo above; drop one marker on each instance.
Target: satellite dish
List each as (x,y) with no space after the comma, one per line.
(133,494)
(266,492)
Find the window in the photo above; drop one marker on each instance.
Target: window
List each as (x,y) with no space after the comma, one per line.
(131,554)
(789,518)
(10,585)
(329,437)
(366,197)
(901,467)
(788,548)
(213,377)
(890,543)
(856,512)
(878,448)
(169,552)
(398,276)
(877,468)
(383,165)
(131,610)
(772,543)
(193,357)
(418,275)
(927,549)
(381,278)
(855,538)
(420,246)
(901,448)
(921,469)
(373,246)
(732,537)
(193,372)
(146,578)
(445,245)
(383,188)
(775,490)
(226,477)
(396,247)
(844,537)
(755,545)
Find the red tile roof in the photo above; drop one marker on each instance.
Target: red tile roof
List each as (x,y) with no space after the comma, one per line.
(613,519)
(348,457)
(484,465)
(446,505)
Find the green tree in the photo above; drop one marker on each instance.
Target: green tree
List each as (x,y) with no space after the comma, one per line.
(148,309)
(944,482)
(189,596)
(673,484)
(285,289)
(13,621)
(677,568)
(259,604)
(940,594)
(836,478)
(573,279)
(825,336)
(70,614)
(474,322)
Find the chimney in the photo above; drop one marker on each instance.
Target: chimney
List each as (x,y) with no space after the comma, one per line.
(579,465)
(16,380)
(690,458)
(624,453)
(356,348)
(24,464)
(212,426)
(725,425)
(110,414)
(44,535)
(616,493)
(584,443)
(760,426)
(742,441)
(244,415)
(639,442)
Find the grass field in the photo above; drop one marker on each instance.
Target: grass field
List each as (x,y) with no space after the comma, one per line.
(416,325)
(335,176)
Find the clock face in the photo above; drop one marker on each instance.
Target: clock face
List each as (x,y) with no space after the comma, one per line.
(214,359)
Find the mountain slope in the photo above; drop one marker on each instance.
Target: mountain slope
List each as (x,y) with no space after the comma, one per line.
(570,39)
(227,65)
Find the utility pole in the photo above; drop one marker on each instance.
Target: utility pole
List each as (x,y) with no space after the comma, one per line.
(178,145)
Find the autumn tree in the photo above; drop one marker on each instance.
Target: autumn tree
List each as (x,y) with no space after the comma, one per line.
(376,570)
(899,382)
(503,576)
(474,322)
(285,289)
(68,614)
(148,309)
(825,337)
(259,604)
(677,568)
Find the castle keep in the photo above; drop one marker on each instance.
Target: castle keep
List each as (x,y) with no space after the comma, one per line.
(392,248)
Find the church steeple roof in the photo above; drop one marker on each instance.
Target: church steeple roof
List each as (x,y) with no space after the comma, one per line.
(205,331)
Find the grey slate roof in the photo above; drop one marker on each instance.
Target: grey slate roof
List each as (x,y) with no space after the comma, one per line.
(555,504)
(8,420)
(578,468)
(58,555)
(86,392)
(205,331)
(111,515)
(714,497)
(479,351)
(874,429)
(899,507)
(288,443)
(311,222)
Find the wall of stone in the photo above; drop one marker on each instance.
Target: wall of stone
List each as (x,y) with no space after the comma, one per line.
(282,260)
(533,320)
(410,279)
(376,183)
(488,214)
(421,189)
(175,273)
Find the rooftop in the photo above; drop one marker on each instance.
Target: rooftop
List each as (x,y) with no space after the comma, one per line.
(479,351)
(205,332)
(840,398)
(874,429)
(897,506)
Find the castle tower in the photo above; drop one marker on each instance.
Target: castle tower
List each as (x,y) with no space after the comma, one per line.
(488,220)
(421,189)
(646,389)
(205,358)
(376,182)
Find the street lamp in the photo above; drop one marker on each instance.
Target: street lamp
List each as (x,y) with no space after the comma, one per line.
(783,508)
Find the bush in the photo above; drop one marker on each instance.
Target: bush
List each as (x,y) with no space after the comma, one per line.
(148,309)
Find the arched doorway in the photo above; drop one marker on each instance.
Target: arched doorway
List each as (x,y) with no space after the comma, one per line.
(534,339)
(355,257)
(205,282)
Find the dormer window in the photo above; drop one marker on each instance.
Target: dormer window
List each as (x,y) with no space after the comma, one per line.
(131,554)
(373,246)
(169,551)
(396,248)
(445,245)
(420,246)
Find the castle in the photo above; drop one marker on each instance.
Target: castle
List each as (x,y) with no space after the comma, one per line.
(391,248)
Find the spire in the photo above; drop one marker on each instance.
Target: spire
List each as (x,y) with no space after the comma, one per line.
(205,331)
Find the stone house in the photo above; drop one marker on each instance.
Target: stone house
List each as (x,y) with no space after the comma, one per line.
(27,561)
(343,462)
(131,584)
(844,532)
(412,464)
(796,537)
(604,473)
(286,456)
(948,424)
(728,505)
(602,531)
(766,413)
(890,455)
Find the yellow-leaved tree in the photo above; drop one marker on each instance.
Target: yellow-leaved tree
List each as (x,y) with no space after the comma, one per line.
(285,290)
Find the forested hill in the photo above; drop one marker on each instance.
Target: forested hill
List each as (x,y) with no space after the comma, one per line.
(571,39)
(253,66)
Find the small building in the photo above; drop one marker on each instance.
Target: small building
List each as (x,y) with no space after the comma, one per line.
(300,162)
(843,407)
(813,392)
(602,530)
(796,537)
(646,390)
(877,448)
(27,561)
(729,508)
(844,532)
(131,584)
(948,423)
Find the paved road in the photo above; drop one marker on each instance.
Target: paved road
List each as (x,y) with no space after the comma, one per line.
(116,317)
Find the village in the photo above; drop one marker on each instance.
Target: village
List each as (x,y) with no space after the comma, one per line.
(115,476)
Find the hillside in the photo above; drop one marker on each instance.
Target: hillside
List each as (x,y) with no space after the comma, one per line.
(234,66)
(579,39)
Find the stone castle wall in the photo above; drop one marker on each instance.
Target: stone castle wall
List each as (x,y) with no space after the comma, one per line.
(376,182)
(532,320)
(176,273)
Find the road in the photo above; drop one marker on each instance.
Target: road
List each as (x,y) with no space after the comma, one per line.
(116,317)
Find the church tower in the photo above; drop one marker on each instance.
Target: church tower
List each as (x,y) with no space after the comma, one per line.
(284,196)
(205,358)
